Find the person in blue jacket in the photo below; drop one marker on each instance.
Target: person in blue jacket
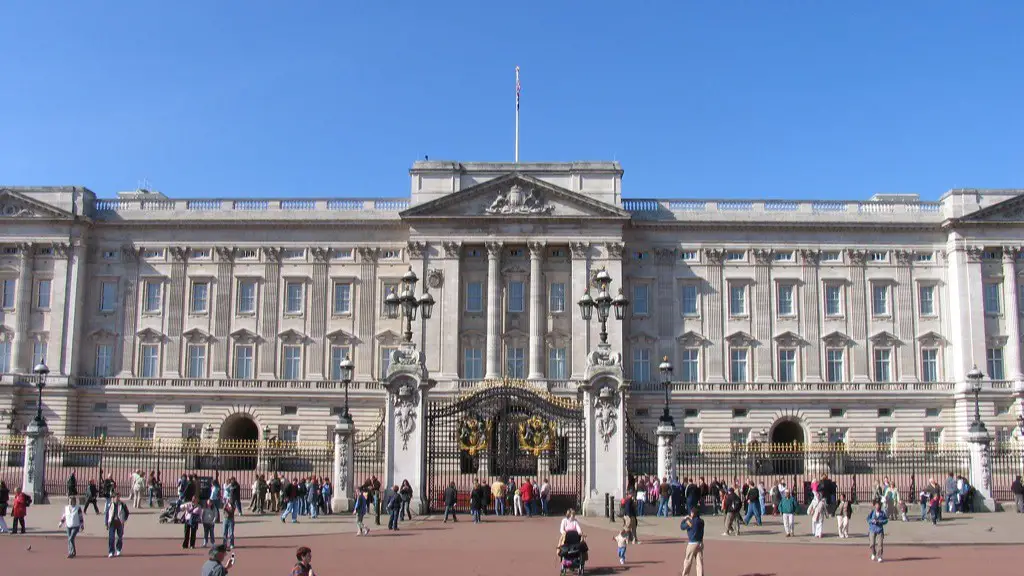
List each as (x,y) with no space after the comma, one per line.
(877,520)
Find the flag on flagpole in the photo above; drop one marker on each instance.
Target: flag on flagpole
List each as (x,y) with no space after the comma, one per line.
(518,89)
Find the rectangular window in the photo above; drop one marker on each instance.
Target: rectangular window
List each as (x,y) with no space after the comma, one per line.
(932,437)
(473,364)
(145,408)
(293,297)
(879,256)
(104,361)
(109,296)
(516,296)
(289,435)
(691,413)
(737,300)
(8,288)
(151,297)
(43,294)
(145,432)
(691,304)
(885,412)
(787,365)
(5,357)
(292,368)
(641,365)
(926,300)
(99,432)
(515,362)
(929,365)
(641,302)
(385,360)
(786,307)
(883,437)
(475,297)
(342,298)
(834,365)
(243,362)
(830,256)
(883,372)
(923,257)
(691,440)
(738,436)
(738,365)
(200,297)
(833,300)
(196,354)
(994,357)
(691,365)
(150,361)
(836,412)
(38,352)
(992,300)
(556,364)
(193,408)
(836,436)
(688,256)
(338,353)
(735,255)
(783,256)
(880,300)
(931,412)
(556,297)
(246,296)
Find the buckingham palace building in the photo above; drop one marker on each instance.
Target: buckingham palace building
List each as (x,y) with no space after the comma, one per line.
(784,320)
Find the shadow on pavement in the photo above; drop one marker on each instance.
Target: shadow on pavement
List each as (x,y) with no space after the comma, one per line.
(912,559)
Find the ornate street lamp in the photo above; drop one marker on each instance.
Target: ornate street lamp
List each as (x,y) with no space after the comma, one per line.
(407,303)
(346,367)
(40,371)
(974,377)
(266,432)
(603,303)
(822,435)
(1020,423)
(666,380)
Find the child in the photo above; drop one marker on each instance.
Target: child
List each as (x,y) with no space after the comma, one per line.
(359,510)
(902,506)
(621,540)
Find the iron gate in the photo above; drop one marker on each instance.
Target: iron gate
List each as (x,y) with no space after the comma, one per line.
(641,452)
(510,431)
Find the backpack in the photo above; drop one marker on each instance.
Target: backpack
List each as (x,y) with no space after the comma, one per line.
(28,500)
(734,506)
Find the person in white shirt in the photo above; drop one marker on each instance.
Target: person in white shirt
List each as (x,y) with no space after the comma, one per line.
(570,524)
(73,522)
(117,516)
(817,513)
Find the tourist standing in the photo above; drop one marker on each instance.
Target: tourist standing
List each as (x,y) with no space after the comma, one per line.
(359,508)
(116,518)
(817,511)
(216,492)
(72,485)
(394,506)
(290,496)
(787,506)
(517,502)
(476,502)
(1018,493)
(498,491)
(209,519)
(138,485)
(229,526)
(193,515)
(327,491)
(151,487)
(275,494)
(545,496)
(5,498)
(313,498)
(526,489)
(92,496)
(693,562)
(304,566)
(73,522)
(877,520)
(236,495)
(844,511)
(19,510)
(215,566)
(733,504)
(451,498)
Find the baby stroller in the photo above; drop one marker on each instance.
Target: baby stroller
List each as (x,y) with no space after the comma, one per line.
(170,514)
(572,554)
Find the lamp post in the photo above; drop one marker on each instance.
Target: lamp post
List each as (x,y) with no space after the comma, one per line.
(603,303)
(408,303)
(346,367)
(1020,423)
(40,371)
(666,380)
(974,377)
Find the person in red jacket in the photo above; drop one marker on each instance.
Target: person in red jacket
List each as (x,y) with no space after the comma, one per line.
(19,510)
(526,493)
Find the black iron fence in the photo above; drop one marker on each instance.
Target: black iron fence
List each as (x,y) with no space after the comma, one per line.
(368,455)
(641,451)
(1007,464)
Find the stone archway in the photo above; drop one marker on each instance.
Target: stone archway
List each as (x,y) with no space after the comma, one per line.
(787,432)
(239,436)
(240,427)
(787,439)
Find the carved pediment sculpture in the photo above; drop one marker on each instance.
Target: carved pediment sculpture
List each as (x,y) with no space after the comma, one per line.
(518,199)
(340,336)
(740,338)
(691,339)
(931,339)
(886,339)
(789,339)
(292,336)
(149,335)
(836,339)
(16,205)
(244,336)
(196,336)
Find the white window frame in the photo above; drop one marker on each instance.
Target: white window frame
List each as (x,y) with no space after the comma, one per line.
(199,305)
(43,298)
(556,297)
(993,298)
(103,365)
(148,298)
(472,363)
(145,371)
(839,302)
(39,348)
(5,356)
(241,298)
(293,307)
(474,303)
(995,363)
(342,301)
(243,366)
(690,365)
(515,361)
(108,288)
(557,364)
(738,288)
(934,361)
(688,311)
(882,369)
(739,361)
(8,293)
(338,353)
(291,362)
(787,357)
(196,361)
(931,309)
(881,307)
(835,367)
(641,303)
(516,296)
(783,288)
(641,365)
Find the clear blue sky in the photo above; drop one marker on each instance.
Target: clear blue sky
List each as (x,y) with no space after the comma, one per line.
(717,98)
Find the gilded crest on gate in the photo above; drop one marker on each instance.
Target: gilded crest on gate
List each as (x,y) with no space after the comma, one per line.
(536,436)
(473,435)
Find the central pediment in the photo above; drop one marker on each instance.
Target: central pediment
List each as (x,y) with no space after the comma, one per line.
(515,195)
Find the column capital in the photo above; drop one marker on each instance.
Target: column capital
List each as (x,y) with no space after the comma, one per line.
(904,257)
(452,249)
(416,249)
(25,250)
(974,253)
(272,254)
(714,256)
(179,254)
(60,249)
(494,249)
(857,257)
(368,253)
(811,257)
(1010,254)
(320,255)
(614,249)
(225,253)
(536,249)
(763,256)
(579,250)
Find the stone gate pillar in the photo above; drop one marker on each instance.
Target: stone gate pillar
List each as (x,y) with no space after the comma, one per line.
(979,442)
(404,413)
(667,433)
(344,484)
(34,480)
(605,414)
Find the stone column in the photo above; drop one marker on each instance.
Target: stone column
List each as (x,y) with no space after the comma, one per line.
(34,480)
(72,328)
(176,297)
(493,369)
(450,311)
(810,314)
(858,312)
(604,409)
(1012,314)
(580,275)
(905,311)
(318,306)
(344,432)
(762,301)
(21,347)
(536,311)
(271,313)
(366,313)
(405,413)
(979,442)
(223,312)
(129,308)
(666,453)
(713,258)
(61,297)
(965,304)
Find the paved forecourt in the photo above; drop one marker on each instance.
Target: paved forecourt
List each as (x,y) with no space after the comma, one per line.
(505,546)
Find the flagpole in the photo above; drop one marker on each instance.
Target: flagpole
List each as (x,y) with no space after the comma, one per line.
(517,114)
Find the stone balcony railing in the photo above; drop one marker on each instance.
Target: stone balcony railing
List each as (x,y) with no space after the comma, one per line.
(770,210)
(247,209)
(89,382)
(552,385)
(796,387)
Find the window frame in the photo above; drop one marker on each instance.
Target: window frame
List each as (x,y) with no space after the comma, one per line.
(558,363)
(695,313)
(516,303)
(470,298)
(192,309)
(556,297)
(109,348)
(336,354)
(339,297)
(112,284)
(38,296)
(143,359)
(924,362)
(635,307)
(146,297)
(515,361)
(995,358)
(793,375)
(735,361)
(830,365)
(291,368)
(780,289)
(840,300)
(8,293)
(241,298)
(190,359)
(249,361)
(997,289)
(742,288)
(288,309)
(878,362)
(641,357)
(932,289)
(886,292)
(477,361)
(689,364)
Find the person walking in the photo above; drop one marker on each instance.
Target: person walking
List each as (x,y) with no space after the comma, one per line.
(313,498)
(275,494)
(733,504)
(1017,488)
(877,520)
(844,511)
(517,501)
(290,496)
(73,522)
(394,506)
(693,562)
(629,517)
(359,509)
(753,504)
(622,542)
(107,491)
(451,499)
(304,566)
(327,491)
(92,497)
(526,489)
(545,497)
(72,485)
(193,514)
(5,498)
(229,526)
(215,566)
(216,492)
(138,485)
(208,517)
(787,506)
(116,518)
(817,510)
(19,510)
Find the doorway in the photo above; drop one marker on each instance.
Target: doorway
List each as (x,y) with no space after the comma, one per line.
(239,436)
(787,448)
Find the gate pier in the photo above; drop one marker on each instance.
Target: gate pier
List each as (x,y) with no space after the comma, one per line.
(404,414)
(604,407)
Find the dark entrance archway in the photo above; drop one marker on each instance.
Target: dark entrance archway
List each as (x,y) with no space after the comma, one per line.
(787,447)
(239,437)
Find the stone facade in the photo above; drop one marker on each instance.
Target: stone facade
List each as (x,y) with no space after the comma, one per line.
(783,319)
